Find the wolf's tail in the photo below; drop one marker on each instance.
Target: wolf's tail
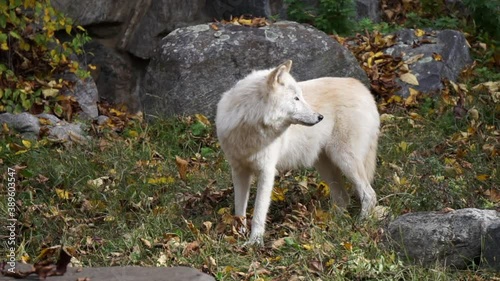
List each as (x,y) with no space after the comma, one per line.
(371,159)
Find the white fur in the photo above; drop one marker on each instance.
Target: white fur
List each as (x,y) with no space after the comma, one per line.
(261,126)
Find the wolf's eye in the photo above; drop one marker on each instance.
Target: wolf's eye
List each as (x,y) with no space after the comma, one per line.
(296,98)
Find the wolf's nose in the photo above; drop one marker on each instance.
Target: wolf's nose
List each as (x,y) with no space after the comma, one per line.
(320,117)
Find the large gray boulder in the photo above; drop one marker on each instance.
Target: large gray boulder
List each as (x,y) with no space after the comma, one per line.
(453,239)
(193,66)
(91,12)
(444,55)
(160,18)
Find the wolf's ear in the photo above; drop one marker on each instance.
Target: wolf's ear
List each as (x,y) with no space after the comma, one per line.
(288,65)
(276,76)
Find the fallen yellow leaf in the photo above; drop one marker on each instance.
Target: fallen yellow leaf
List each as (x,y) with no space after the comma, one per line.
(62,194)
(419,32)
(437,57)
(409,78)
(412,98)
(482,177)
(26,143)
(278,193)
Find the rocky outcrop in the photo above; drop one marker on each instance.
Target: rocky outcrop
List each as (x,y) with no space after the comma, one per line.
(193,66)
(456,239)
(114,76)
(441,55)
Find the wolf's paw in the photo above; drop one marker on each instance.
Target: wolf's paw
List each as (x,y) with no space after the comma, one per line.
(257,241)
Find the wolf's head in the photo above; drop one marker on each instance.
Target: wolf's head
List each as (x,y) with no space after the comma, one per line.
(285,99)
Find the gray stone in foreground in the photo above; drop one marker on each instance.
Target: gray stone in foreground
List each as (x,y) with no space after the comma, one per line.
(491,253)
(195,65)
(452,239)
(128,273)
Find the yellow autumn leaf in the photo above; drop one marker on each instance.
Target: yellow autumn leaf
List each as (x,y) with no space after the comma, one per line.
(202,118)
(245,21)
(395,99)
(278,193)
(133,134)
(403,146)
(347,246)
(419,32)
(161,180)
(62,194)
(223,211)
(26,143)
(109,218)
(307,246)
(50,92)
(409,78)
(4,46)
(412,98)
(324,189)
(437,57)
(482,177)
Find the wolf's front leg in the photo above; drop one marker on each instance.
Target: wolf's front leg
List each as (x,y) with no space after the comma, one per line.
(262,202)
(241,182)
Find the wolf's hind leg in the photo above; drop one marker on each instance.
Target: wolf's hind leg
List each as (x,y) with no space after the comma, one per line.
(332,175)
(241,182)
(354,169)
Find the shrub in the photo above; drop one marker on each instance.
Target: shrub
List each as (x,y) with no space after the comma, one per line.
(331,16)
(31,56)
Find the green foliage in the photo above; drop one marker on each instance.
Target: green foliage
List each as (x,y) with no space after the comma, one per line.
(367,24)
(331,16)
(443,22)
(486,15)
(32,56)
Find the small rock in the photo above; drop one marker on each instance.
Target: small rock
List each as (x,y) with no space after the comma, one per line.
(52,118)
(85,92)
(24,123)
(67,133)
(102,119)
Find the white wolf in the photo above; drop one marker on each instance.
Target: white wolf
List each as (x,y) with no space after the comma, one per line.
(268,121)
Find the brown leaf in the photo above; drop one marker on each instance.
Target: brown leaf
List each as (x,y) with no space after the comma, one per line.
(182,166)
(191,248)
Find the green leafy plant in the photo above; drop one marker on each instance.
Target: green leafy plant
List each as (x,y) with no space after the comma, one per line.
(486,16)
(32,56)
(331,16)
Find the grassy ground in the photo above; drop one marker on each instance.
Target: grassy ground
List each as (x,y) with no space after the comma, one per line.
(125,199)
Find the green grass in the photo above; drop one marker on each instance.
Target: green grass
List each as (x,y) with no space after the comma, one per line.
(120,200)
